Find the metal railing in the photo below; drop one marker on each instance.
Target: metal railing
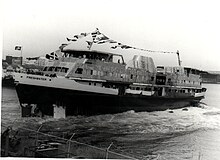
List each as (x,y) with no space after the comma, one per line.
(34,143)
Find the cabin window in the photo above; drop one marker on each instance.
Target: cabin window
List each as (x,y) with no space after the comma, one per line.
(137,88)
(79,71)
(147,89)
(184,81)
(91,72)
(64,69)
(57,69)
(152,78)
(51,68)
(94,84)
(45,69)
(131,76)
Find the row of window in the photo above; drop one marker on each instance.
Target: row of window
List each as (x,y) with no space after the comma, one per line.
(150,88)
(110,74)
(56,69)
(183,81)
(185,90)
(169,90)
(142,88)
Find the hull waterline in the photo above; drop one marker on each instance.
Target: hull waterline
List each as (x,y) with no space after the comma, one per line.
(87,103)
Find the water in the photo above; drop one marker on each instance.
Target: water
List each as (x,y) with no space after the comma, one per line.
(192,134)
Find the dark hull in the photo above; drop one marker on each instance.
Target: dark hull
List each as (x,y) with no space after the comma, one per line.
(85,103)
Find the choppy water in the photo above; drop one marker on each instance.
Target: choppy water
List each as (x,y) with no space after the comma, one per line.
(192,134)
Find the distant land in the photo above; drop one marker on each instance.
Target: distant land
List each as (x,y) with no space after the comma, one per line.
(214,72)
(210,76)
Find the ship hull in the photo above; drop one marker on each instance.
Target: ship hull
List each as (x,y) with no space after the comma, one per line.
(79,102)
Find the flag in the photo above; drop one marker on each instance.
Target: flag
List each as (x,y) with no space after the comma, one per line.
(89,44)
(96,32)
(52,56)
(125,47)
(114,47)
(84,34)
(112,41)
(100,42)
(103,37)
(78,36)
(69,39)
(18,48)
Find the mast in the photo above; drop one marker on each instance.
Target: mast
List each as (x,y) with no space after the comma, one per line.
(178,56)
(21,55)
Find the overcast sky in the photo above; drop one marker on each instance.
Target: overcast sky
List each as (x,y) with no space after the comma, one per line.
(190,26)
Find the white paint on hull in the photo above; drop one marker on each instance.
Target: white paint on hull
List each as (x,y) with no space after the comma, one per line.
(146,93)
(199,94)
(62,83)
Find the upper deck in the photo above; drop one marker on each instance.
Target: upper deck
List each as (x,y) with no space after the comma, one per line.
(91,56)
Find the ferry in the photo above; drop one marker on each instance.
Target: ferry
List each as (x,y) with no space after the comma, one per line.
(83,80)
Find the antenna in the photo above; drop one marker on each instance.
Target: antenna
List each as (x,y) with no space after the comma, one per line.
(178,56)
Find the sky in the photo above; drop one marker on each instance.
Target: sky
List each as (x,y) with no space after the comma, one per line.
(190,26)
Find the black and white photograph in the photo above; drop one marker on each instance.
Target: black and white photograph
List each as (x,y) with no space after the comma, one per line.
(110,79)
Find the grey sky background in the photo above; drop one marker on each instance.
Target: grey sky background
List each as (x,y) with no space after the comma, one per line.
(190,26)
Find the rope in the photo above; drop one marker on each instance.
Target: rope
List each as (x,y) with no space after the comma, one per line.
(100,38)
